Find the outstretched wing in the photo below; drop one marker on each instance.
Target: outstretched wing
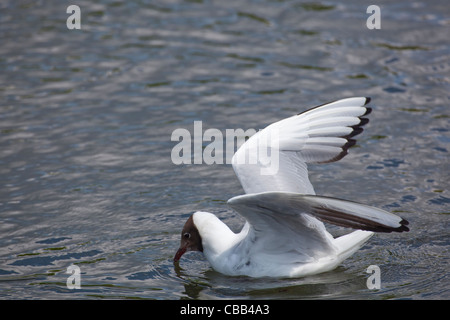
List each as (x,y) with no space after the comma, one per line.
(275,158)
(287,221)
(281,205)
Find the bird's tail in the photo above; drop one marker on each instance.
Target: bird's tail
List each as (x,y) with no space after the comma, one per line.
(350,243)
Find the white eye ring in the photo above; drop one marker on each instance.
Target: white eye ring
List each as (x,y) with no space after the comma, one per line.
(187,235)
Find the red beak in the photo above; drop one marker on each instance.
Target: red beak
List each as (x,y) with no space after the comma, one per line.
(179,253)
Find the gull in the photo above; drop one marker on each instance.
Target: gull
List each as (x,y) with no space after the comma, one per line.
(284,234)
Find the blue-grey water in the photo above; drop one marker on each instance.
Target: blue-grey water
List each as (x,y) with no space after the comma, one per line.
(86,118)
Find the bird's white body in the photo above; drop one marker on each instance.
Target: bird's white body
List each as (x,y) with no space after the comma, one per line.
(235,253)
(284,235)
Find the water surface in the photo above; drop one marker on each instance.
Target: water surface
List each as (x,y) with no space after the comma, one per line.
(86,118)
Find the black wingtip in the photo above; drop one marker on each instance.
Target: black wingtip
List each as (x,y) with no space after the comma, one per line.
(356,130)
(363,122)
(350,143)
(403,226)
(368,111)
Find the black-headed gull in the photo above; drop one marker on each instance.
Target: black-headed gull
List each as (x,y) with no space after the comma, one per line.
(284,234)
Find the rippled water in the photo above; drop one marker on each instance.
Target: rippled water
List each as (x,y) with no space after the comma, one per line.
(86,118)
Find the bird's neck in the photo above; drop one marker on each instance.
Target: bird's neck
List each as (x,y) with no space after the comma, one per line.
(216,236)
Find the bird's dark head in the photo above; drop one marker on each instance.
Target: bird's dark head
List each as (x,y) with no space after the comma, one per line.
(190,239)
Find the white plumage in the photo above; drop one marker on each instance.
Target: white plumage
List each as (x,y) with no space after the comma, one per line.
(284,235)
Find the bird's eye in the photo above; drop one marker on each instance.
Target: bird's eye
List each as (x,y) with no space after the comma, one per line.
(187,235)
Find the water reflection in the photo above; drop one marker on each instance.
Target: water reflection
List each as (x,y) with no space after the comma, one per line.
(331,285)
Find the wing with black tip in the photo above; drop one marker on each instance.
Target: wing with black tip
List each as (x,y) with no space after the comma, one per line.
(275,158)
